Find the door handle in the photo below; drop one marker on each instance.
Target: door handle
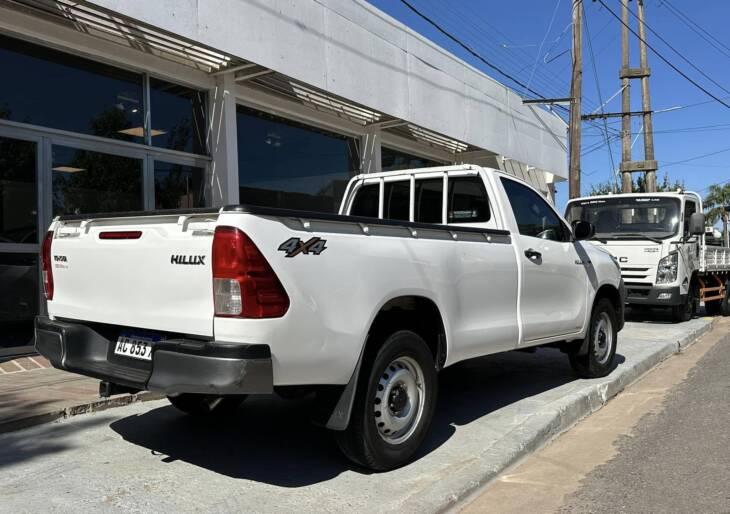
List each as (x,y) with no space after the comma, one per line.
(533,255)
(580,262)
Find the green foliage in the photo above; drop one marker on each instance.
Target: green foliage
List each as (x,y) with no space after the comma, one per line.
(718,197)
(638,186)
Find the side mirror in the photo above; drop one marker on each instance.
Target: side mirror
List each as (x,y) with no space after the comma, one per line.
(697,224)
(583,230)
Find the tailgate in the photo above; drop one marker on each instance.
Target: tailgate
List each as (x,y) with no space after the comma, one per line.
(152,272)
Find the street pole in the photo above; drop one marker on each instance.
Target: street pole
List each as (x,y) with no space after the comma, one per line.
(645,102)
(626,180)
(576,85)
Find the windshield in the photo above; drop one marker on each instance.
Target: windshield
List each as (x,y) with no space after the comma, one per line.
(628,217)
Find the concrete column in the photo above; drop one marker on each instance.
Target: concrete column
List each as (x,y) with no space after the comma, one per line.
(370,151)
(222,184)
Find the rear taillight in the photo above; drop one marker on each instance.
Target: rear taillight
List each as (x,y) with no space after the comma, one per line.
(244,285)
(47,266)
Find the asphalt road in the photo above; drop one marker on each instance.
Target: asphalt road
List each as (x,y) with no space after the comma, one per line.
(675,460)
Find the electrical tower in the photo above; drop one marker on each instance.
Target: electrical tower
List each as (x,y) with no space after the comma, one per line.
(628,165)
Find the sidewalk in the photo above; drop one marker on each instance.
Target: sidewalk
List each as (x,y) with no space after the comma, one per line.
(32,392)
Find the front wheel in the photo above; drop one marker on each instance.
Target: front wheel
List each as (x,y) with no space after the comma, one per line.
(595,357)
(684,311)
(394,404)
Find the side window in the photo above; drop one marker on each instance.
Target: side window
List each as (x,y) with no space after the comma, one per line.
(366,201)
(689,209)
(534,216)
(429,200)
(396,204)
(468,202)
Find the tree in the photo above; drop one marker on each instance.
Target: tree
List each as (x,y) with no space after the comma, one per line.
(638,186)
(716,200)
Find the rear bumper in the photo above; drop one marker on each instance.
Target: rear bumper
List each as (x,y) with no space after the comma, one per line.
(654,295)
(177,365)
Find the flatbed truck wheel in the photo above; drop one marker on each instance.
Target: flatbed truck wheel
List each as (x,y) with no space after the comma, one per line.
(594,358)
(394,404)
(685,311)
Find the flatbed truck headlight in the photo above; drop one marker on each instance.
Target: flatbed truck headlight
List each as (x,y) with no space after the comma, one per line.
(667,270)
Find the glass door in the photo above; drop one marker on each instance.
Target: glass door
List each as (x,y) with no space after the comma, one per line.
(19,244)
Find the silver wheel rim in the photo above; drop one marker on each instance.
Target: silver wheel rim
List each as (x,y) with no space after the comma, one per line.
(399,400)
(603,338)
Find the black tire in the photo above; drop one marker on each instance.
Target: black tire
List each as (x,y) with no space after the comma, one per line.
(685,311)
(725,303)
(201,405)
(602,336)
(364,441)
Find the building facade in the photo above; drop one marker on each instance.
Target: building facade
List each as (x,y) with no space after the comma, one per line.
(112,105)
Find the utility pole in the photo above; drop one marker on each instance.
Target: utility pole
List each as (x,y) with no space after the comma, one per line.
(626,181)
(576,86)
(646,104)
(649,164)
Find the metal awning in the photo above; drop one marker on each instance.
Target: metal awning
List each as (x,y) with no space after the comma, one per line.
(99,22)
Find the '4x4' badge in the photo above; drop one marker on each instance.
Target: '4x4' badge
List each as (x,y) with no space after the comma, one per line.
(294,246)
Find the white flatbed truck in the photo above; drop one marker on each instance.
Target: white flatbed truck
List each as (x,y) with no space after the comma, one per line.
(658,240)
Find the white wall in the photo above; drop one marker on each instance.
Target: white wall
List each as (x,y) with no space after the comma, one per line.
(349,48)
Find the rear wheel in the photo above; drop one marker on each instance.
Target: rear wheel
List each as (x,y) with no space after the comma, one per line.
(393,406)
(206,404)
(597,357)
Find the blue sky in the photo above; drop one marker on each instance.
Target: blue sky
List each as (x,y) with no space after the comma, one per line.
(519,37)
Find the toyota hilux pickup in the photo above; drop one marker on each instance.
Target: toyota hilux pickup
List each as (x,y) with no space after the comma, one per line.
(419,270)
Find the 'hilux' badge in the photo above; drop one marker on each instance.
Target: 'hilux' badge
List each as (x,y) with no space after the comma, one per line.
(192,260)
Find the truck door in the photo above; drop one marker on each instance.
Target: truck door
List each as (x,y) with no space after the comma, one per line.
(553,293)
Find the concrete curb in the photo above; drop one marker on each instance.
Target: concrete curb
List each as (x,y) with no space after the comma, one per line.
(96,405)
(539,429)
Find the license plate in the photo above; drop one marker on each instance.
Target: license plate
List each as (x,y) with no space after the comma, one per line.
(135,346)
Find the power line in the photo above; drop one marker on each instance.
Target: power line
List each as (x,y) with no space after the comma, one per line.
(542,43)
(600,96)
(697,28)
(470,50)
(658,54)
(697,157)
(519,60)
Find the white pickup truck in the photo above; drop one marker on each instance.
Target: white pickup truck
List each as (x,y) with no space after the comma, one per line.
(420,270)
(658,240)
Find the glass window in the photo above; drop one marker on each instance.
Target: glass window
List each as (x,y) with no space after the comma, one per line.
(54,89)
(86,181)
(19,298)
(397,201)
(366,201)
(178,117)
(689,209)
(468,202)
(533,214)
(282,163)
(391,160)
(629,217)
(18,197)
(429,200)
(178,186)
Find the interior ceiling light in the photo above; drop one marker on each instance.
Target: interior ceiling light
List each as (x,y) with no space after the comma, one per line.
(68,169)
(139,132)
